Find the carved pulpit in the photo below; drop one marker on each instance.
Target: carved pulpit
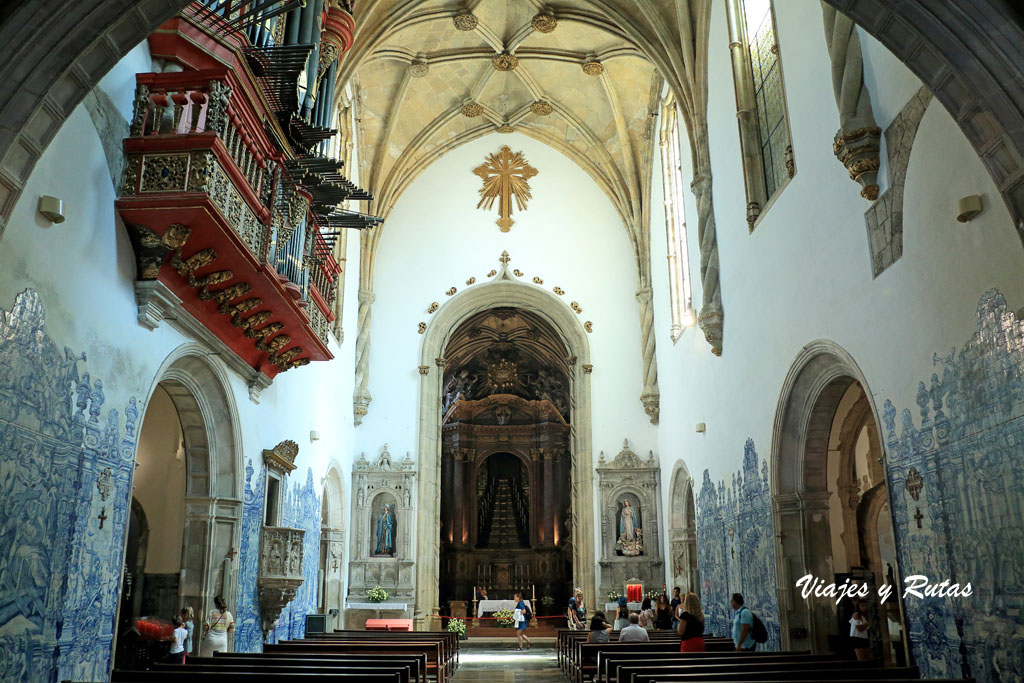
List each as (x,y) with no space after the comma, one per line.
(281,548)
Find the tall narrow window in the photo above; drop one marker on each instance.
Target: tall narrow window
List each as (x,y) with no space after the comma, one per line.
(675,221)
(761,111)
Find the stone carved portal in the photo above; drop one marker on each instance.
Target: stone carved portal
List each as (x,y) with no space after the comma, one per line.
(629,498)
(382,503)
(505,485)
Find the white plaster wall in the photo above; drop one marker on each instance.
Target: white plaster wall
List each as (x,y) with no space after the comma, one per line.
(569,236)
(805,273)
(84,269)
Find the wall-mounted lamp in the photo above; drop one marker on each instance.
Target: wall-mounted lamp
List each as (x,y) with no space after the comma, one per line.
(701,427)
(52,208)
(314,435)
(968,207)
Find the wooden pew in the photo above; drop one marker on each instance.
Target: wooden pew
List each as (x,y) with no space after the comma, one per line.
(608,662)
(753,674)
(267,668)
(186,676)
(646,671)
(417,663)
(450,640)
(583,656)
(433,649)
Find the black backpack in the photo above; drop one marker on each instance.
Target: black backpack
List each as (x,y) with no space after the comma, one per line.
(528,614)
(757,630)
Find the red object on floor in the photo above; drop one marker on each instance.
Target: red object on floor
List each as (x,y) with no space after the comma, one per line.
(634,592)
(389,624)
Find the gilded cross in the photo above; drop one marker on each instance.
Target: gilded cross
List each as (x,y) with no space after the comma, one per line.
(505,175)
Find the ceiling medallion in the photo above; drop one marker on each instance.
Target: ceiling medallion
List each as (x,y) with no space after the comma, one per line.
(465,21)
(593,67)
(541,108)
(505,128)
(418,69)
(544,23)
(472,110)
(505,61)
(505,176)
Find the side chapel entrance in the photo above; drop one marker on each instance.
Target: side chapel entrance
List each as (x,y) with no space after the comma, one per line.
(832,507)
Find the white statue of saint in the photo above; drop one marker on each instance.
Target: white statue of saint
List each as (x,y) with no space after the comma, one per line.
(627,525)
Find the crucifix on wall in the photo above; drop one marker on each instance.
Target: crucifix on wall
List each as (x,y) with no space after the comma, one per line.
(505,175)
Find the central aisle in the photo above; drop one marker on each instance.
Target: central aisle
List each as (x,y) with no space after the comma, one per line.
(499,663)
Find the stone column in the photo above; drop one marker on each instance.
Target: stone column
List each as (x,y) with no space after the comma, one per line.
(361,396)
(550,499)
(650,395)
(858,141)
(711,316)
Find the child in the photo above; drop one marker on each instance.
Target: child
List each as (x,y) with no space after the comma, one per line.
(188,617)
(177,655)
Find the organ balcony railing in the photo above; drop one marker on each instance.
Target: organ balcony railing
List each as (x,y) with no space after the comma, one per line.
(225,198)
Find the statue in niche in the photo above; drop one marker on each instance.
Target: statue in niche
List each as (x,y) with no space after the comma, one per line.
(548,386)
(385,532)
(630,541)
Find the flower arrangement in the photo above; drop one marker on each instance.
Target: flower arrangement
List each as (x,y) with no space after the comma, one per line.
(613,596)
(457,626)
(504,617)
(654,594)
(377,594)
(547,601)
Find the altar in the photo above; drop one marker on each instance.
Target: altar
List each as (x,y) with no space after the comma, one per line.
(610,608)
(491,606)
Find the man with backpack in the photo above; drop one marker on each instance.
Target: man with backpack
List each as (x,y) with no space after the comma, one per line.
(747,629)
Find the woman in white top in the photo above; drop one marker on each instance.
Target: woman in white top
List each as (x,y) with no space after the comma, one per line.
(859,632)
(216,626)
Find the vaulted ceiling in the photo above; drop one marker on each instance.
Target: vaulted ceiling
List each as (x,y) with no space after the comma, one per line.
(430,75)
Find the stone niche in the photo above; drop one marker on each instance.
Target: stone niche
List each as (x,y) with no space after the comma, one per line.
(630,538)
(376,487)
(280,568)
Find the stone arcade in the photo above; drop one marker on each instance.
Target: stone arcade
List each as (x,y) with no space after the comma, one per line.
(447,256)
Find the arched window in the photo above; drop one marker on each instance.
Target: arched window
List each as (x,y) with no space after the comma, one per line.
(675,221)
(761,111)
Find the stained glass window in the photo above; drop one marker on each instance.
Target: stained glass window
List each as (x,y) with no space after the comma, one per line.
(770,100)
(675,221)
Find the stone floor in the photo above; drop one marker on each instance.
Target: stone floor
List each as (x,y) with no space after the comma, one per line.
(496,660)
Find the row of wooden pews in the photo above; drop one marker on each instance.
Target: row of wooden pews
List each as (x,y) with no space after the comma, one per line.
(659,661)
(579,659)
(344,656)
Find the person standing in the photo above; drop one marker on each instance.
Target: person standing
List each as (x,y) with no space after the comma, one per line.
(177,654)
(663,614)
(634,633)
(676,601)
(859,632)
(691,625)
(742,623)
(216,627)
(581,608)
(188,621)
(621,618)
(572,617)
(646,614)
(520,620)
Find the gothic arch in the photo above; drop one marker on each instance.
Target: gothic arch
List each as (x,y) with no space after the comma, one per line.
(503,291)
(811,392)
(201,393)
(682,530)
(332,548)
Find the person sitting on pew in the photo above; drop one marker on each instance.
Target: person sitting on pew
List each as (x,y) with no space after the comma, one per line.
(599,629)
(742,623)
(635,633)
(691,624)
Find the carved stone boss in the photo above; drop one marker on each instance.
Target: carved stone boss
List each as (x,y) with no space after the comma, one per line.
(281,548)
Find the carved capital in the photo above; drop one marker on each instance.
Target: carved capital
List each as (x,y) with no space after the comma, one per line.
(858,151)
(710,321)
